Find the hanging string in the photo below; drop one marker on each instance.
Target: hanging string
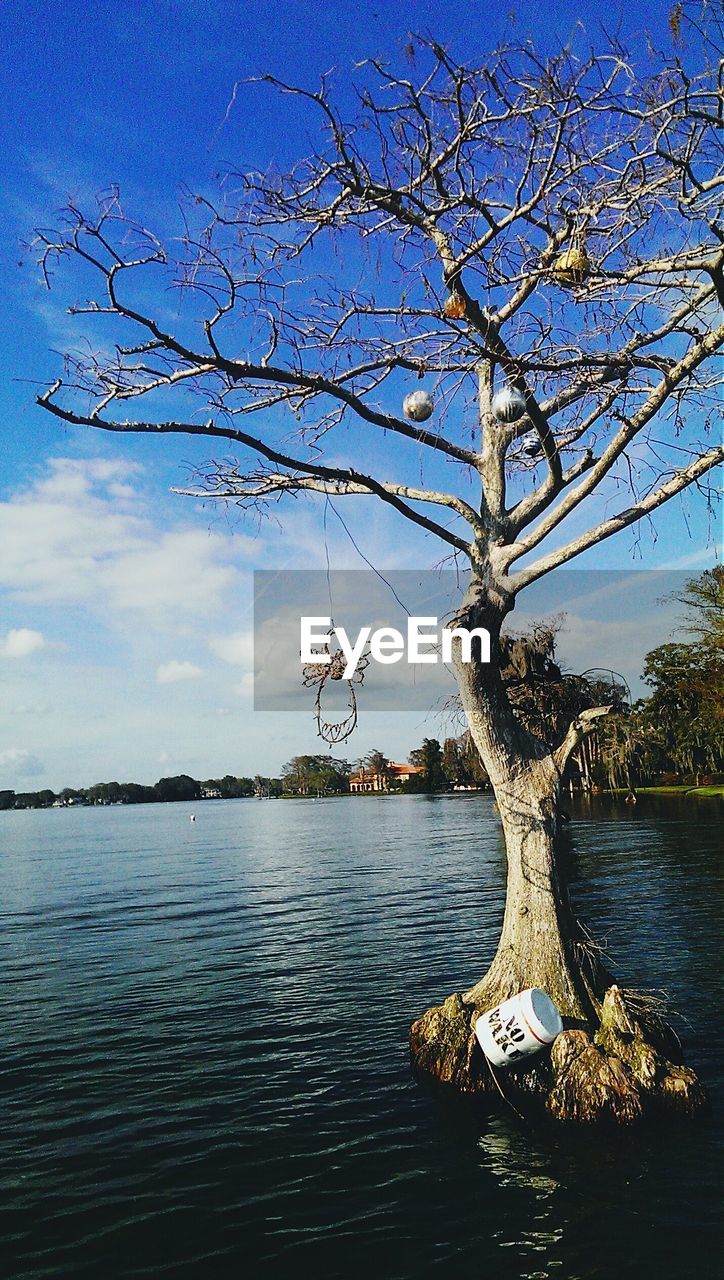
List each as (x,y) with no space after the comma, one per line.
(326,556)
(316,674)
(505,1098)
(369,563)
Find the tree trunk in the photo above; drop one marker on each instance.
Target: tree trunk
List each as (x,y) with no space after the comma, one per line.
(541,943)
(537,946)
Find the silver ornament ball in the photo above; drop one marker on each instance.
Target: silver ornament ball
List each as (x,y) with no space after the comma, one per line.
(418,406)
(508,405)
(531,445)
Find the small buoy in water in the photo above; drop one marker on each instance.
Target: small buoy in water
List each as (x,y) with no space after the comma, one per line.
(518,1028)
(192,817)
(418,406)
(508,404)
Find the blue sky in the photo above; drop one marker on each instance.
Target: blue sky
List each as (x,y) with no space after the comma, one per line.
(125,611)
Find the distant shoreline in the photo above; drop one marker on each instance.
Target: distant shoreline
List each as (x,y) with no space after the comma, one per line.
(682,789)
(715,791)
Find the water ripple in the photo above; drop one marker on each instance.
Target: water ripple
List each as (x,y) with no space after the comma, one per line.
(205,1064)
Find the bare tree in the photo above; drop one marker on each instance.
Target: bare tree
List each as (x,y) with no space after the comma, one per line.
(546,226)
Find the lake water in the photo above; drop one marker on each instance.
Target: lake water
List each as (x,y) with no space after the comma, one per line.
(204,1045)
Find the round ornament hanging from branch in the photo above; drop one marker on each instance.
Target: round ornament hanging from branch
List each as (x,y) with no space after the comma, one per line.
(508,404)
(531,445)
(418,406)
(454,308)
(572,267)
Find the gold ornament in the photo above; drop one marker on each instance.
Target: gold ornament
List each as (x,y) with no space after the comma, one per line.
(454,307)
(571,267)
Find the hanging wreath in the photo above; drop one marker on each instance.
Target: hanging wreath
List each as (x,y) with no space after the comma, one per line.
(315,676)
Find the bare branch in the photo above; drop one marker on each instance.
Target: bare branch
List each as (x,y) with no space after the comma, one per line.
(583,725)
(424,242)
(680,480)
(350,481)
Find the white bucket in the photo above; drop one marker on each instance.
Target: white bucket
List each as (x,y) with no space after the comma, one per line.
(518,1027)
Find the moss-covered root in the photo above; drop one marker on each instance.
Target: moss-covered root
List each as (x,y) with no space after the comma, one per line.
(443,1045)
(636,1035)
(630,1068)
(588,1085)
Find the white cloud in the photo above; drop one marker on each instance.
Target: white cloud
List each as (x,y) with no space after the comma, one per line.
(174,671)
(236,648)
(180,572)
(18,763)
(81,534)
(21,642)
(32,709)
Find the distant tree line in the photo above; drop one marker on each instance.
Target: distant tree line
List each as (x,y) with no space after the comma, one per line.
(165,791)
(315,775)
(677,733)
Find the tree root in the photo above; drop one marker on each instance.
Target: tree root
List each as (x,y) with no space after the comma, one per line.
(630,1067)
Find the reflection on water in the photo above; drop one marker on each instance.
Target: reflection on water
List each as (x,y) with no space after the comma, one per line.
(205,1067)
(506,1154)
